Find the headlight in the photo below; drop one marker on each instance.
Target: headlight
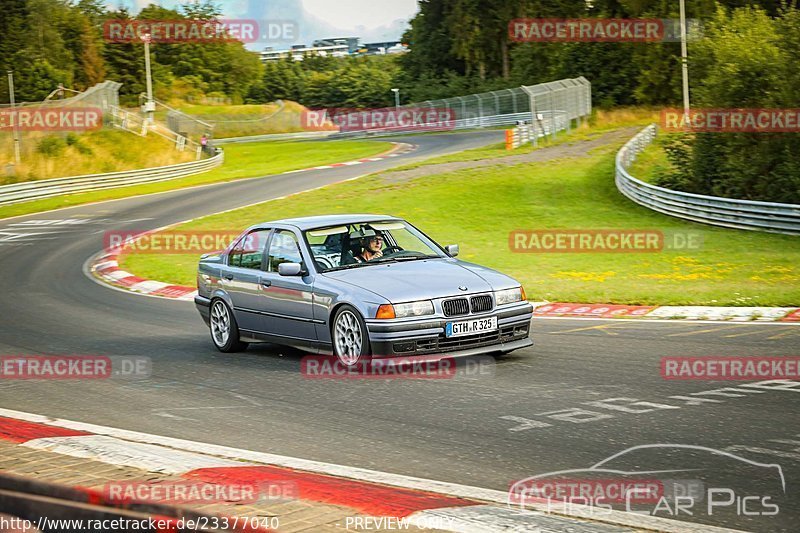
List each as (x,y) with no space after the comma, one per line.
(508,296)
(423,307)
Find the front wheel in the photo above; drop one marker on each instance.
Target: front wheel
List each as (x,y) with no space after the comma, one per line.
(224,330)
(350,338)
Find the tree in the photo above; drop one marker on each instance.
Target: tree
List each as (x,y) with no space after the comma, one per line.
(745,61)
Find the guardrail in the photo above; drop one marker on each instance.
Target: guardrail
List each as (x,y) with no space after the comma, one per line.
(714,210)
(274,137)
(37,190)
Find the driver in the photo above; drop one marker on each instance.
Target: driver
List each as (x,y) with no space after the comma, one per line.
(371,245)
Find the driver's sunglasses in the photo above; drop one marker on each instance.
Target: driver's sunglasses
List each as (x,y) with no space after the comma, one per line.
(379,239)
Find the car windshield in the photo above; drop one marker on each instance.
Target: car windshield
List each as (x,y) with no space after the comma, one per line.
(368,243)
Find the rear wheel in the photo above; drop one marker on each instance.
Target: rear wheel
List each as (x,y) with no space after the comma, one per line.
(224,330)
(350,338)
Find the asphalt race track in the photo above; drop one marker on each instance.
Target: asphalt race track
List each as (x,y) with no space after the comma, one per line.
(542,409)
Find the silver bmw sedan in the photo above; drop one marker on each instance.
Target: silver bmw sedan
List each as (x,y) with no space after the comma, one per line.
(357,287)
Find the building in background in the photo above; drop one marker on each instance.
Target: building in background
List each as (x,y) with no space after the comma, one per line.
(353,43)
(335,47)
(300,51)
(386,47)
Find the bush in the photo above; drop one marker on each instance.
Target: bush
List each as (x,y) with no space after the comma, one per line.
(51,146)
(75,141)
(678,148)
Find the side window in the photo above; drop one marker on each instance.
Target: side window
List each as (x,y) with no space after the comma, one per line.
(283,249)
(249,251)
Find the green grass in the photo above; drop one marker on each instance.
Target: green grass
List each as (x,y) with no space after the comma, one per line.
(244,109)
(241,161)
(478,208)
(651,162)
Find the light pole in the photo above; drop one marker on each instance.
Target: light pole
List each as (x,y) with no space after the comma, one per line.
(684,64)
(13,117)
(150,105)
(396,98)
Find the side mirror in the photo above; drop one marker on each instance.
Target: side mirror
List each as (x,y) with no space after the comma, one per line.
(290,269)
(451,249)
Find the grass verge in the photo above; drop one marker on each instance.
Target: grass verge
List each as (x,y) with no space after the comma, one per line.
(241,161)
(652,162)
(56,155)
(478,208)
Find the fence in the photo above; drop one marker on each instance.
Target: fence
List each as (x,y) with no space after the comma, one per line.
(714,210)
(36,190)
(280,117)
(547,107)
(101,95)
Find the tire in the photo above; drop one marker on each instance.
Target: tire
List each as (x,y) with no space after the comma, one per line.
(223,327)
(349,336)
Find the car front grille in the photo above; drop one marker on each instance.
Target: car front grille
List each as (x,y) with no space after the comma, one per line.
(442,343)
(481,303)
(469,341)
(455,307)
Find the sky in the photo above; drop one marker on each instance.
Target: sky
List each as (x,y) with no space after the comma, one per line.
(372,20)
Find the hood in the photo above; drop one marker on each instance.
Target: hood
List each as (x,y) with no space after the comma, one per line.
(423,280)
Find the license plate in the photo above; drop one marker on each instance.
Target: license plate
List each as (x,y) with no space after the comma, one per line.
(471,327)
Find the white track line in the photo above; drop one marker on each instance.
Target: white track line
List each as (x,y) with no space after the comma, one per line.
(124,453)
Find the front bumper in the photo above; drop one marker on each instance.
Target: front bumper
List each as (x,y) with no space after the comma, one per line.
(404,337)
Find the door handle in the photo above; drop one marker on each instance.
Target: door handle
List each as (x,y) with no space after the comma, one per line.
(265,283)
(229,277)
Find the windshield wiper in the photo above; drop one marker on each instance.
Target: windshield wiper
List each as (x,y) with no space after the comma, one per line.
(406,258)
(345,267)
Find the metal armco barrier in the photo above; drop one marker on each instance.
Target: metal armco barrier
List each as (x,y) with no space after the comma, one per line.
(714,210)
(36,190)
